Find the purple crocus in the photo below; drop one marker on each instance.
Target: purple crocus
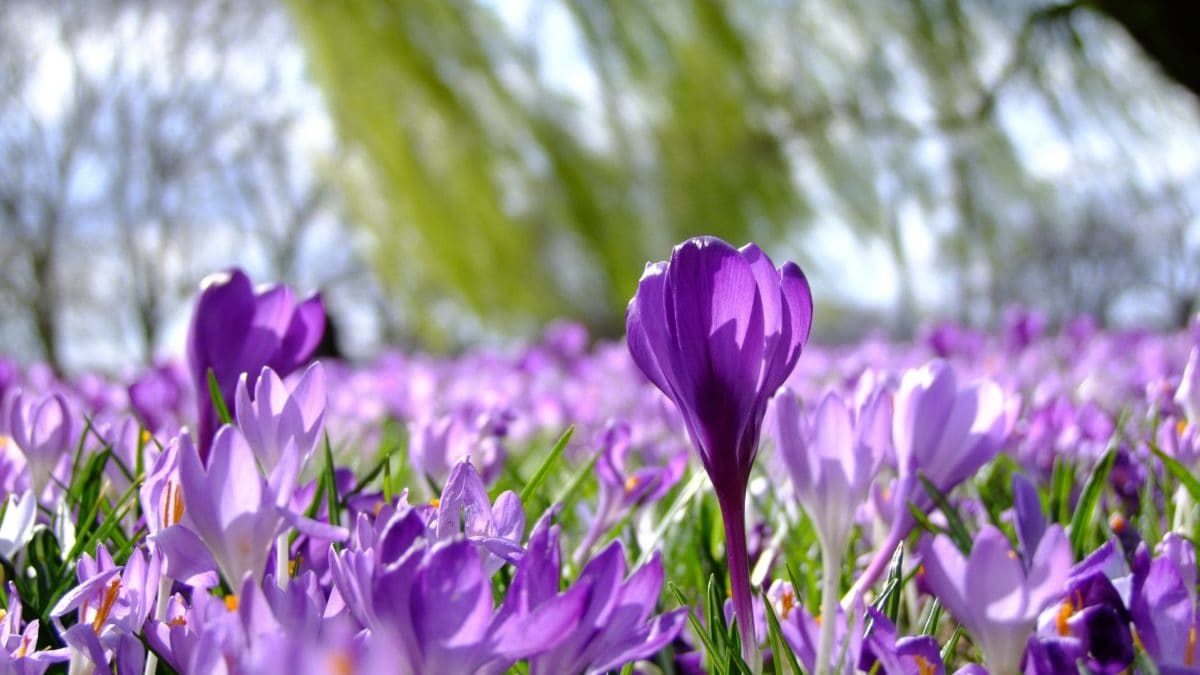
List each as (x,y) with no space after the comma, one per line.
(237,330)
(832,459)
(993,593)
(718,330)
(941,430)
(42,431)
(278,416)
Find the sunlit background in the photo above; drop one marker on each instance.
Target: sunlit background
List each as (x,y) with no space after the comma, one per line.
(453,172)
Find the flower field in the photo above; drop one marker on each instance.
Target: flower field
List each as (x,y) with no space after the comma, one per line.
(713,493)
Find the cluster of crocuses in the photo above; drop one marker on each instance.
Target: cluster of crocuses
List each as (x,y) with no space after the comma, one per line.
(1013,503)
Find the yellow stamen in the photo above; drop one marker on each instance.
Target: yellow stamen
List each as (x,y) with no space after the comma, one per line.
(177,621)
(106,604)
(1012,555)
(3,614)
(924,667)
(293,564)
(1180,427)
(379,507)
(146,436)
(817,619)
(1189,653)
(23,649)
(231,603)
(435,502)
(1117,523)
(787,602)
(631,484)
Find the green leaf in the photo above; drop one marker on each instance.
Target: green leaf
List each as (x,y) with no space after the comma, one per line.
(709,647)
(543,471)
(331,491)
(681,501)
(781,650)
(1180,472)
(955,527)
(1088,500)
(218,400)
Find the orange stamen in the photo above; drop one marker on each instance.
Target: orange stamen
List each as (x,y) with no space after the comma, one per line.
(106,604)
(924,667)
(435,502)
(1189,654)
(231,603)
(787,602)
(631,484)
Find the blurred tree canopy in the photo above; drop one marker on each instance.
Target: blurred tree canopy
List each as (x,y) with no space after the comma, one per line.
(522,160)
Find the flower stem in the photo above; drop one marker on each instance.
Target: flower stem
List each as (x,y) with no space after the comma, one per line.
(160,614)
(883,556)
(281,561)
(831,563)
(733,513)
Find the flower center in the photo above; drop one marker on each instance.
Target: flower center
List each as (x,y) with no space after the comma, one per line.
(106,604)
(924,667)
(631,484)
(1189,653)
(787,602)
(1068,609)
(435,502)
(231,602)
(172,506)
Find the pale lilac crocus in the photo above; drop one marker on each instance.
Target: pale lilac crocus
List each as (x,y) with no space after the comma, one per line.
(42,431)
(230,505)
(832,458)
(943,431)
(278,415)
(496,527)
(718,330)
(993,593)
(16,528)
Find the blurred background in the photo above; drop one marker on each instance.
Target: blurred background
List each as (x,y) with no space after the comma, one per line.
(452,171)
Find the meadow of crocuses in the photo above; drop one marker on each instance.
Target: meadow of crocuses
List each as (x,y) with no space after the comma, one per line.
(713,493)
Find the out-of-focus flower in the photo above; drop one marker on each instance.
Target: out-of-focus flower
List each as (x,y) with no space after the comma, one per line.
(718,330)
(943,431)
(236,330)
(801,629)
(992,593)
(623,488)
(437,444)
(278,417)
(16,529)
(158,396)
(913,655)
(42,431)
(1187,396)
(1164,607)
(832,457)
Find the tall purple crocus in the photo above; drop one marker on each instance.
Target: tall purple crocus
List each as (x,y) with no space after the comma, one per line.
(718,330)
(237,330)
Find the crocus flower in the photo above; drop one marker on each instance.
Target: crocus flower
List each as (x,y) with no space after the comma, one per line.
(992,593)
(42,431)
(943,431)
(16,529)
(236,330)
(278,416)
(832,459)
(1164,609)
(18,646)
(617,624)
(623,488)
(463,508)
(718,330)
